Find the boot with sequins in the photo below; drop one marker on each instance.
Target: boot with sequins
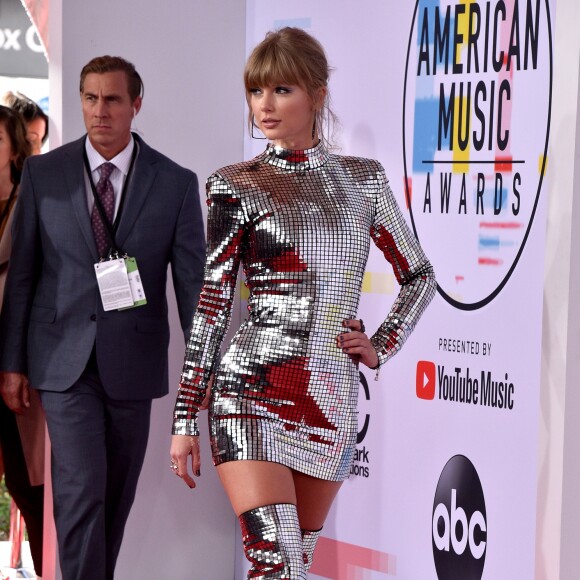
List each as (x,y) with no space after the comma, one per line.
(309,539)
(273,542)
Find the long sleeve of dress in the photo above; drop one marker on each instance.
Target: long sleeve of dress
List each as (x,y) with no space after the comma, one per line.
(412,269)
(225,232)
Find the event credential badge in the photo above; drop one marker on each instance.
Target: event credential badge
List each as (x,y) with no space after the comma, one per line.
(120,284)
(137,290)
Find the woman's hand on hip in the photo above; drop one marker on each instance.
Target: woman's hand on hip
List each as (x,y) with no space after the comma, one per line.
(356,344)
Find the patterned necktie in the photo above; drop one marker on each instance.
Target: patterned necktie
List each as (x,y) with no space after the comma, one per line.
(107,196)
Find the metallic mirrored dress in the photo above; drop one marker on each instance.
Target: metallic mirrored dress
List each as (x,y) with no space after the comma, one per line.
(300,222)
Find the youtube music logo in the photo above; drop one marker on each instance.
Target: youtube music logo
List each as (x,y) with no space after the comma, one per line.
(426,377)
(465,386)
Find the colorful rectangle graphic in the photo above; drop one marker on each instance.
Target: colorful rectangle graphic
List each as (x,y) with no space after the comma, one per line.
(343,561)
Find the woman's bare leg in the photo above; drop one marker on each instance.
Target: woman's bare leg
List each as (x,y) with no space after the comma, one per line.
(263,497)
(314,499)
(250,484)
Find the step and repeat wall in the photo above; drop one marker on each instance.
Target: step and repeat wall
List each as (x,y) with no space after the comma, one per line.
(454,99)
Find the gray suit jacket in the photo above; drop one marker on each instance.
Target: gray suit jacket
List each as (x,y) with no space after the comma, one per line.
(52,314)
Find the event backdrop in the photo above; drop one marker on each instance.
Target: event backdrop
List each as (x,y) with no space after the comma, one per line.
(453,97)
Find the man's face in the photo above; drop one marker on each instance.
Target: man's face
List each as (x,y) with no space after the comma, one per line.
(108,111)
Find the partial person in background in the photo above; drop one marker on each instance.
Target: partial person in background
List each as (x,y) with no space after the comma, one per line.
(34,117)
(283,406)
(21,432)
(97,362)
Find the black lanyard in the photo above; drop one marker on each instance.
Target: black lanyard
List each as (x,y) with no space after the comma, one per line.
(6,211)
(111,229)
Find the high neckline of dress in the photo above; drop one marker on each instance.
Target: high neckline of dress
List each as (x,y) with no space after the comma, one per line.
(296,159)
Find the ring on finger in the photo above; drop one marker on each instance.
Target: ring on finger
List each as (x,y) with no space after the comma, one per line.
(174,466)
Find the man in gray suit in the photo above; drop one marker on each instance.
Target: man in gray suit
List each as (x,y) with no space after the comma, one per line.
(97,369)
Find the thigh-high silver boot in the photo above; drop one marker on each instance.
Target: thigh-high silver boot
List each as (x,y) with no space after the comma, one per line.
(273,542)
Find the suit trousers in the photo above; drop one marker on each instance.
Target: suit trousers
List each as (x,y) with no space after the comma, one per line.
(28,498)
(98,448)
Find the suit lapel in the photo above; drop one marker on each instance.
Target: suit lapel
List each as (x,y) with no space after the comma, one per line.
(139,186)
(74,172)
(140,183)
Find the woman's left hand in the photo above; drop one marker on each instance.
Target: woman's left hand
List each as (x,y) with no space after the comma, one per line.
(356,344)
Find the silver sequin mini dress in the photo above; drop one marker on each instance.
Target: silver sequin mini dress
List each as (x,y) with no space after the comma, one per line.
(300,223)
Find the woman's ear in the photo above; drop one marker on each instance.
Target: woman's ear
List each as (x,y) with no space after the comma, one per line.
(319,98)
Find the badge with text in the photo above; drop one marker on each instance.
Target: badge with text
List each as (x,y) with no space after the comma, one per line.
(114,286)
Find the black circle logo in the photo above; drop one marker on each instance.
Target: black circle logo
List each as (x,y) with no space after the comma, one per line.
(459,522)
(476,75)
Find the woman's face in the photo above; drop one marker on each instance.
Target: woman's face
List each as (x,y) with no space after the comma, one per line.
(36,129)
(6,153)
(285,114)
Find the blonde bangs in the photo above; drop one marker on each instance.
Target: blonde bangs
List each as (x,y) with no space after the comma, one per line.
(272,66)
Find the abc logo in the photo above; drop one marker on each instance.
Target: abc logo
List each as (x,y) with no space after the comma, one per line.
(459,522)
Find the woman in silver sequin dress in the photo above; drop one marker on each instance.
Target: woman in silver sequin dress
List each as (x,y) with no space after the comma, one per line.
(299,219)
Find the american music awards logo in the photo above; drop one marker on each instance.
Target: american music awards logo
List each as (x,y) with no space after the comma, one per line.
(476,122)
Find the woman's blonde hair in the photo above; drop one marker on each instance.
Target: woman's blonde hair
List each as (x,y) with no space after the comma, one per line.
(291,56)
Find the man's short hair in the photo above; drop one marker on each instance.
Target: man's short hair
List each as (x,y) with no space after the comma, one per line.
(105,64)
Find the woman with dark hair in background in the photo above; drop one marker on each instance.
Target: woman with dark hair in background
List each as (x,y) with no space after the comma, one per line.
(22,436)
(283,405)
(35,118)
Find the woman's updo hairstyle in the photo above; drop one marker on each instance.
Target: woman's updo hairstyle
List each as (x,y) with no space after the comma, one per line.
(293,57)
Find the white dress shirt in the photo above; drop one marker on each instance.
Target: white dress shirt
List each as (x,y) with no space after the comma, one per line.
(122,163)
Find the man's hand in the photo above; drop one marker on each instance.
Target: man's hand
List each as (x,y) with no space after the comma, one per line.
(15,391)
